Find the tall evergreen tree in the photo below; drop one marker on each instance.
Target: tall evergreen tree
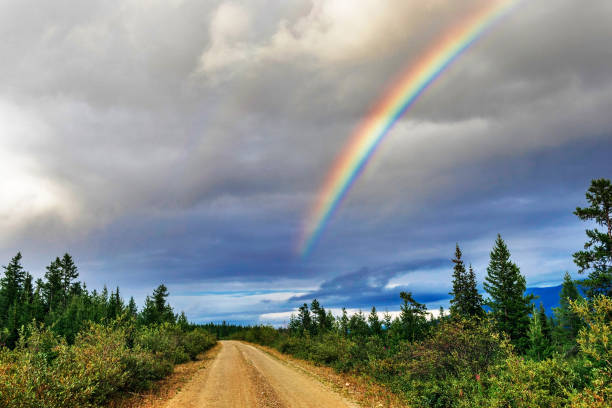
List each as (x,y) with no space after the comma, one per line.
(11,287)
(69,275)
(305,319)
(54,287)
(344,323)
(319,317)
(466,301)
(132,309)
(374,322)
(156,309)
(358,328)
(597,254)
(545,324)
(506,286)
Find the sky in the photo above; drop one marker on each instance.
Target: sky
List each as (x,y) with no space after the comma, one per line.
(185,142)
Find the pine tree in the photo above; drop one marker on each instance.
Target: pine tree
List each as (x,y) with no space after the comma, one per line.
(182,321)
(344,323)
(539,345)
(374,322)
(11,286)
(412,317)
(319,317)
(26,304)
(387,321)
(358,328)
(69,275)
(545,324)
(115,305)
(597,254)
(156,309)
(466,301)
(473,299)
(305,319)
(132,309)
(459,284)
(506,286)
(54,288)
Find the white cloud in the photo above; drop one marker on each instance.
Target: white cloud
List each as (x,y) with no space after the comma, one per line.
(26,193)
(228,27)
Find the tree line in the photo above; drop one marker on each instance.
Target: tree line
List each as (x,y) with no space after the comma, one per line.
(512,311)
(64,304)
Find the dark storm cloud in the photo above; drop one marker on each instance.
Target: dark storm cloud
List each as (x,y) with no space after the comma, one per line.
(184,142)
(366,287)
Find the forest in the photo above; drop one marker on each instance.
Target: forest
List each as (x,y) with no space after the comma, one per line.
(66,346)
(496,350)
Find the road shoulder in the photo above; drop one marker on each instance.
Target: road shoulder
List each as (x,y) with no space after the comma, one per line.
(357,389)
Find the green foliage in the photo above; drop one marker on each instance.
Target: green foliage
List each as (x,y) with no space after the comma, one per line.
(156,309)
(412,321)
(44,371)
(540,339)
(595,341)
(506,287)
(597,254)
(568,322)
(524,383)
(466,300)
(88,346)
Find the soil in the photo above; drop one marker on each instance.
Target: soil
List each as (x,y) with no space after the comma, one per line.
(244,376)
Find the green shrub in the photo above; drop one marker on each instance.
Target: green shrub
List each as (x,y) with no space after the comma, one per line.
(43,371)
(525,383)
(196,341)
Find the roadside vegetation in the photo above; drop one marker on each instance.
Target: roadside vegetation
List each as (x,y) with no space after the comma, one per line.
(498,351)
(64,346)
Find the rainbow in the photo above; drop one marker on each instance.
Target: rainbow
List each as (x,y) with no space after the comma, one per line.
(394,103)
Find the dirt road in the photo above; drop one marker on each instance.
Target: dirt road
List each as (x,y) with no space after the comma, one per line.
(243,376)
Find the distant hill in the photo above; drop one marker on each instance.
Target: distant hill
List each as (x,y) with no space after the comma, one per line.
(549,296)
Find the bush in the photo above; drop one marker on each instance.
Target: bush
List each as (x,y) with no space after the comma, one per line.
(595,342)
(43,371)
(525,383)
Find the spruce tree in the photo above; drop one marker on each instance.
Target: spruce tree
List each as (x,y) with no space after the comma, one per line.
(132,309)
(358,328)
(412,317)
(11,286)
(344,322)
(319,317)
(374,322)
(305,319)
(466,301)
(545,324)
(69,275)
(597,254)
(54,287)
(459,284)
(156,309)
(539,337)
(506,286)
